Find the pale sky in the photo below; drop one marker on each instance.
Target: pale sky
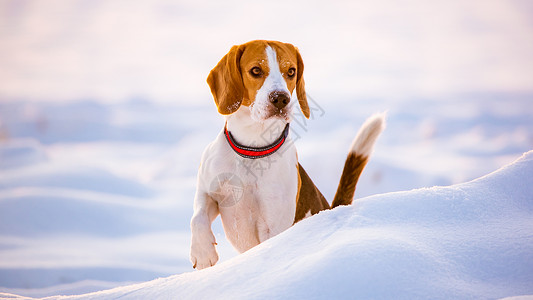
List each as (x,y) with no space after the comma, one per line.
(68,50)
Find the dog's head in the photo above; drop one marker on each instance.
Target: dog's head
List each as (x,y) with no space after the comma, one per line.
(261,75)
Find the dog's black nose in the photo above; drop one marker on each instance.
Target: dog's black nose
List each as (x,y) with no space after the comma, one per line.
(279,99)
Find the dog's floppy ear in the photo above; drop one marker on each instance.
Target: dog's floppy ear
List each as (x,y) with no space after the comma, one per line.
(300,86)
(225,81)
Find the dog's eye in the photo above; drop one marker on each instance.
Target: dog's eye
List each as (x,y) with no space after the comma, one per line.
(256,72)
(291,72)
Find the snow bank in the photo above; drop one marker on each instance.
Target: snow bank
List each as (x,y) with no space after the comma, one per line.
(472,240)
(97,196)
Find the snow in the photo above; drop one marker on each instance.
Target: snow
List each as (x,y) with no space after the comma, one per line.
(107,201)
(471,240)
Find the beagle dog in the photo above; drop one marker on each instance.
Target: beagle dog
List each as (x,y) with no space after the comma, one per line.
(253,87)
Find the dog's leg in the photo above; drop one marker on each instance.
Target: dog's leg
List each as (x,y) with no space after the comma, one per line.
(203,251)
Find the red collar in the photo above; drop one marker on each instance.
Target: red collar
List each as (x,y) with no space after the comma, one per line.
(253,152)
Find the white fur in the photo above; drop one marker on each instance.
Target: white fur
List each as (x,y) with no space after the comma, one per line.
(364,141)
(268,203)
(248,131)
(273,82)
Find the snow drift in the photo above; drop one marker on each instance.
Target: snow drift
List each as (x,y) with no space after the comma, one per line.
(471,240)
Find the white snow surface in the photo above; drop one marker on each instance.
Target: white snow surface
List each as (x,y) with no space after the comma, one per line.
(97,196)
(470,240)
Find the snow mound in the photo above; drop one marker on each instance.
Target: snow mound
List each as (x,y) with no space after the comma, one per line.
(472,240)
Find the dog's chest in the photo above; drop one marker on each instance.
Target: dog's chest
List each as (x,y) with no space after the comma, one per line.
(256,198)
(257,216)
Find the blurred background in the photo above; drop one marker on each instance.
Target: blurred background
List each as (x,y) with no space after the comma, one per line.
(104,114)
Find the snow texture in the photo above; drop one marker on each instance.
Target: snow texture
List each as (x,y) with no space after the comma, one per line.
(471,240)
(97,196)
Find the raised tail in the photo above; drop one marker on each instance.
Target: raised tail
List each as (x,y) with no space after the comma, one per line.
(358,156)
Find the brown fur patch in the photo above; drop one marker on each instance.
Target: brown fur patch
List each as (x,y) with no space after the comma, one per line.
(350,175)
(225,81)
(310,199)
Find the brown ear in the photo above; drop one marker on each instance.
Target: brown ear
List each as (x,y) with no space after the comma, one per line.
(300,86)
(225,81)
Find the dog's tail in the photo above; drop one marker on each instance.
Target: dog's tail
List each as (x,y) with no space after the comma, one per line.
(360,152)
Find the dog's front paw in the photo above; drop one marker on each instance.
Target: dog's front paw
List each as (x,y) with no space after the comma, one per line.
(203,253)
